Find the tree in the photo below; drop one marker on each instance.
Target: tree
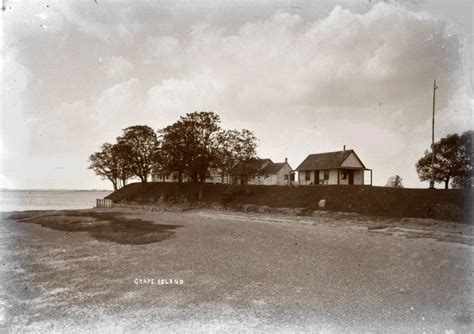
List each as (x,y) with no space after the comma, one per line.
(205,140)
(464,179)
(452,159)
(124,167)
(139,145)
(106,164)
(460,182)
(394,182)
(174,152)
(239,155)
(193,146)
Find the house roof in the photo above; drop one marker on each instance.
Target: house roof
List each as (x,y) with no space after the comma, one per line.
(256,164)
(266,166)
(328,160)
(273,168)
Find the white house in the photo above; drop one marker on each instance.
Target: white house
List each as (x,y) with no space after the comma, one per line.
(274,173)
(270,173)
(341,167)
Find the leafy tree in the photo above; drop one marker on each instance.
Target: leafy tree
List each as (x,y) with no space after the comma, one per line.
(125,168)
(239,155)
(193,146)
(139,145)
(196,144)
(106,164)
(459,182)
(205,141)
(452,159)
(394,182)
(174,152)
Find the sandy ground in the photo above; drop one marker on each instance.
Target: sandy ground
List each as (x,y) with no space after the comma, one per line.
(240,272)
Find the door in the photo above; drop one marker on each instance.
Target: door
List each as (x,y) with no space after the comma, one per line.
(350,173)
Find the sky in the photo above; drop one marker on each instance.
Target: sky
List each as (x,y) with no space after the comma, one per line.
(305,76)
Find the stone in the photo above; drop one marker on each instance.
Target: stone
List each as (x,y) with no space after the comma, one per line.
(322,203)
(299,211)
(249,208)
(263,209)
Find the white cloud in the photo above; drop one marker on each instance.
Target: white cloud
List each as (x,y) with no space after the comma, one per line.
(173,97)
(117,67)
(305,83)
(161,46)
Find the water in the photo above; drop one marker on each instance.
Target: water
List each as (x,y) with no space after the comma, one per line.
(21,200)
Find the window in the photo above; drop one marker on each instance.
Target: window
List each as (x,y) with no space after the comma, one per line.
(308,175)
(292,177)
(326,174)
(286,177)
(343,175)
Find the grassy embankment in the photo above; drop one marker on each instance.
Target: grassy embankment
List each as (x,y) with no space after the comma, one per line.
(451,205)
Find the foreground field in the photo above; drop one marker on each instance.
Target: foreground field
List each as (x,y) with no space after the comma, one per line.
(105,270)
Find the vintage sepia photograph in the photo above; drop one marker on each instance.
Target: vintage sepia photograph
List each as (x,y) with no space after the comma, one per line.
(236,166)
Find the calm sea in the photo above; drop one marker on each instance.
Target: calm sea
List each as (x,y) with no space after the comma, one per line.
(21,200)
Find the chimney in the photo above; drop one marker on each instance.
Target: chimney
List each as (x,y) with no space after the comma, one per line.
(286,160)
(343,148)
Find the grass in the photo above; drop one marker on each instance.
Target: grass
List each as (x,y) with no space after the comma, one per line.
(451,204)
(102,226)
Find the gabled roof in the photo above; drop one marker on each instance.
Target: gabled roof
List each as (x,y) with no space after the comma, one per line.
(258,164)
(273,168)
(328,160)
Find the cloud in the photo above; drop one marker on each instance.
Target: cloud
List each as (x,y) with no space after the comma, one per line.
(173,97)
(117,67)
(307,82)
(13,130)
(82,126)
(161,46)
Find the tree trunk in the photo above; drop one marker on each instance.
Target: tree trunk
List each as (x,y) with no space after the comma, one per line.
(201,191)
(247,188)
(180,177)
(114,183)
(446,183)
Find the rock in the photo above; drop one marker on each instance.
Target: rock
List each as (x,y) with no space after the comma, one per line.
(319,213)
(216,206)
(249,208)
(299,211)
(285,211)
(377,227)
(322,203)
(263,209)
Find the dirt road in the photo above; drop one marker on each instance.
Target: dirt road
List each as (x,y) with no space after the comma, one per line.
(121,271)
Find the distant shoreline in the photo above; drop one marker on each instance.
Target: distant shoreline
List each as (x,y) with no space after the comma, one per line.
(27,200)
(72,190)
